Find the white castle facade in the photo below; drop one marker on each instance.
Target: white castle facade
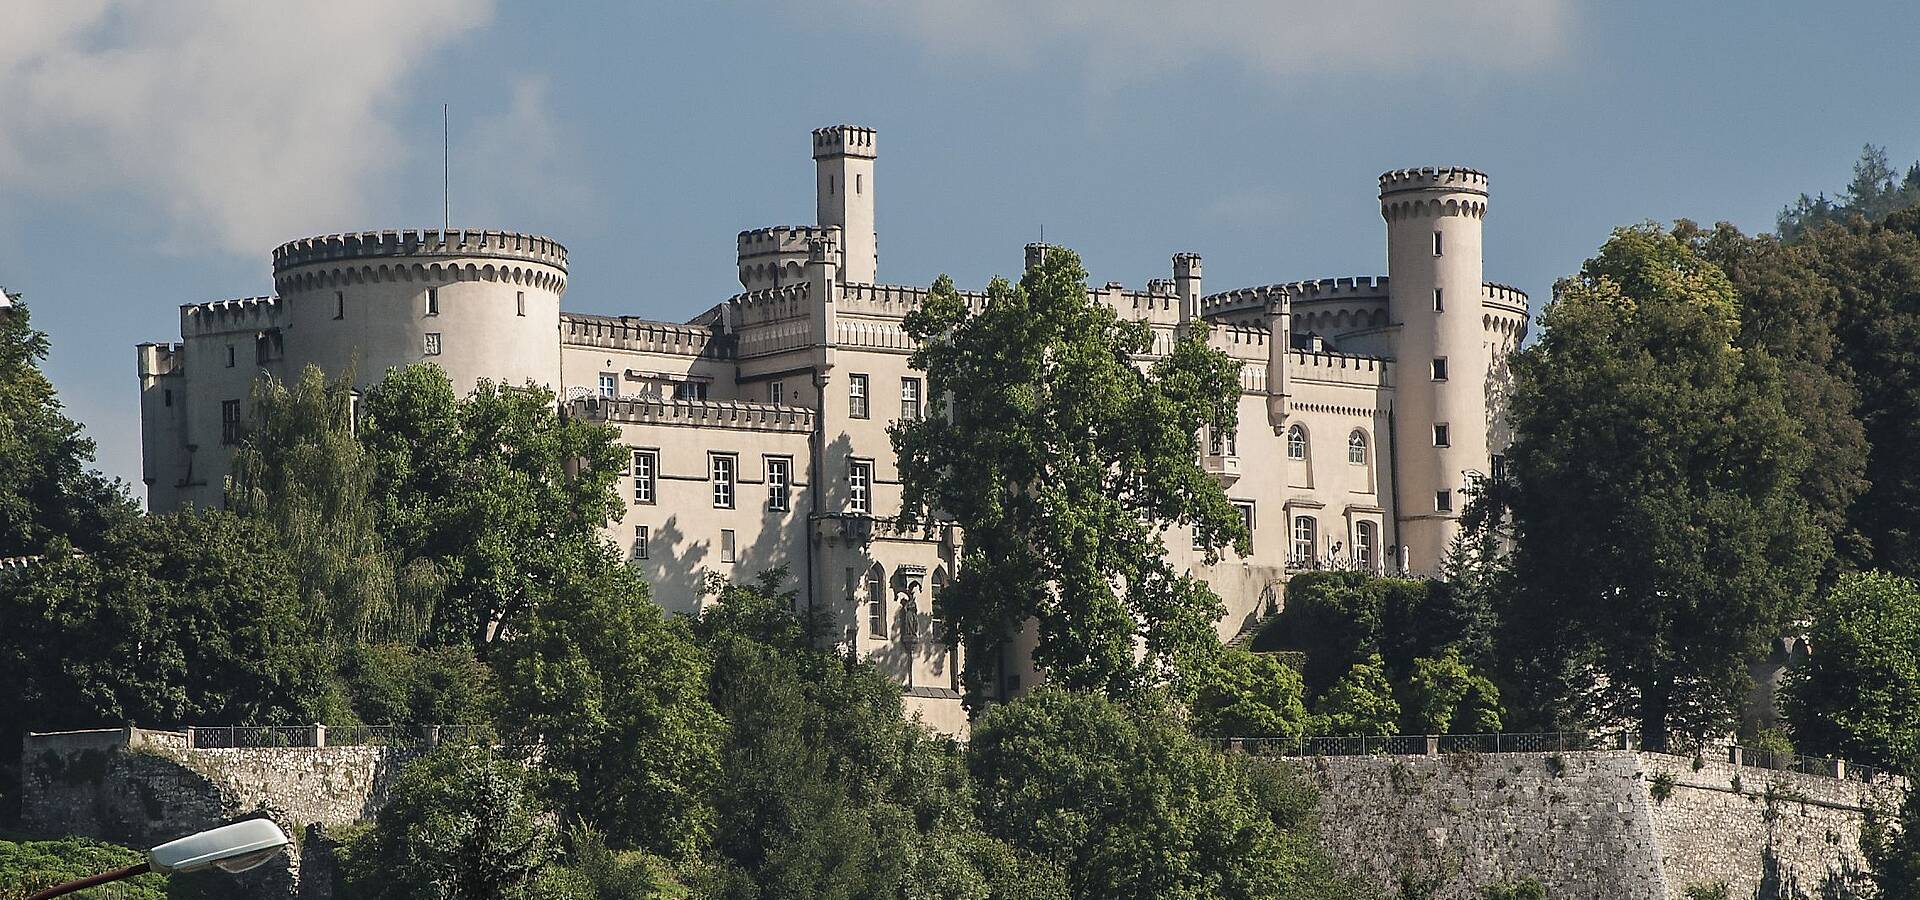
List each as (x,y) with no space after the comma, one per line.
(758,427)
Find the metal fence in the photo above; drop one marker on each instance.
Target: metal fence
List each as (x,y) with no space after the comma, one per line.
(1543,742)
(417,736)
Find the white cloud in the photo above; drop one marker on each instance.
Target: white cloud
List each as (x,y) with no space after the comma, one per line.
(1122,38)
(246,122)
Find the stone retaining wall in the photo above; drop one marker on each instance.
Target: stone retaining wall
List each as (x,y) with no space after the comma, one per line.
(1617,825)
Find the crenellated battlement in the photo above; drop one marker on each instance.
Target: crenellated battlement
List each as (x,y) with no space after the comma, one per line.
(158,359)
(843,140)
(221,316)
(1453,179)
(1322,366)
(461,243)
(1496,294)
(778,239)
(771,304)
(629,333)
(729,414)
(1243,342)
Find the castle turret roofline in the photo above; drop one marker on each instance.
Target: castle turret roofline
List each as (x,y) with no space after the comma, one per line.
(424,243)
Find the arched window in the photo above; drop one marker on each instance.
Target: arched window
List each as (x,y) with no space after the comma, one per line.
(1304,538)
(1357,448)
(876,602)
(1364,545)
(1296,442)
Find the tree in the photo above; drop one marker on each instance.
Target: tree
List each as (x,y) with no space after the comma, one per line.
(1360,703)
(1065,462)
(1444,696)
(1338,619)
(1790,310)
(491,489)
(615,695)
(1875,192)
(1244,694)
(1655,499)
(1130,805)
(304,474)
(401,684)
(47,490)
(462,824)
(1858,695)
(827,789)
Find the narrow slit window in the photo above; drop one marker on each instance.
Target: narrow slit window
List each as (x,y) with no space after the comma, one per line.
(1441,435)
(1439,300)
(1439,368)
(519,303)
(433,301)
(339,304)
(1437,247)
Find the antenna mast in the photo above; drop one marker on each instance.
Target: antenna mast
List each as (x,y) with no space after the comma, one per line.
(446,172)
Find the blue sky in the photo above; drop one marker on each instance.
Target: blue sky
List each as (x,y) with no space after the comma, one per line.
(153,152)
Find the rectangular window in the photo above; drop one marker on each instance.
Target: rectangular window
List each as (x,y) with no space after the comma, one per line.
(433,343)
(860,486)
(646,464)
(724,467)
(779,482)
(859,183)
(1304,538)
(777,393)
(1441,435)
(1233,442)
(1363,551)
(639,542)
(1439,368)
(1216,441)
(1499,468)
(609,384)
(1439,300)
(857,396)
(909,399)
(690,390)
(339,304)
(1443,501)
(230,422)
(519,303)
(876,604)
(727,545)
(433,301)
(1246,521)
(169,396)
(230,356)
(1436,243)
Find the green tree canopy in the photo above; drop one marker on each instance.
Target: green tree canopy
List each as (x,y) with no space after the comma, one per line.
(1876,192)
(1360,703)
(47,489)
(1132,806)
(1065,461)
(1243,694)
(827,789)
(1656,474)
(616,696)
(491,489)
(1858,695)
(461,824)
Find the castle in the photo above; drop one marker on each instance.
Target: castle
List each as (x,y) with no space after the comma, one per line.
(1369,407)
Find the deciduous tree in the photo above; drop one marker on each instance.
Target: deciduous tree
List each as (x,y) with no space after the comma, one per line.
(1066,460)
(1656,474)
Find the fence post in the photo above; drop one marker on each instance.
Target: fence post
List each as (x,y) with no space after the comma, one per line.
(319,741)
(1433,745)
(433,736)
(189,737)
(1735,755)
(1839,768)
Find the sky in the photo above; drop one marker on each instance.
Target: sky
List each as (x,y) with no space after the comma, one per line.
(154,152)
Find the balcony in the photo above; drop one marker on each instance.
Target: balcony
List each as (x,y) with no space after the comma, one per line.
(1225,468)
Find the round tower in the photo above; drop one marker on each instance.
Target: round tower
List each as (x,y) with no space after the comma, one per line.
(479,304)
(1433,220)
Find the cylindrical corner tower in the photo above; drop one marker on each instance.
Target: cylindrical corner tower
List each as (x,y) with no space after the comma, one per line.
(843,190)
(1440,409)
(479,304)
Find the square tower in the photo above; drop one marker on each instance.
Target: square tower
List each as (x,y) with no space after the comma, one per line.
(843,162)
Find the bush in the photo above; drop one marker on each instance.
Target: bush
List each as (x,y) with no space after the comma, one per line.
(1360,703)
(30,866)
(1242,694)
(461,823)
(398,684)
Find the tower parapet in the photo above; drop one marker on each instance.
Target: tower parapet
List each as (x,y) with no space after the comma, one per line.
(843,140)
(462,243)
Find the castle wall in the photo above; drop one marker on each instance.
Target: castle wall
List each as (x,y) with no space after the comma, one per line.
(1604,825)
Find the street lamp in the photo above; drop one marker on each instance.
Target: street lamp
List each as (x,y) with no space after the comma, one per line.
(235,848)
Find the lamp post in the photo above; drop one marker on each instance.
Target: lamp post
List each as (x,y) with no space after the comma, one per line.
(235,848)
